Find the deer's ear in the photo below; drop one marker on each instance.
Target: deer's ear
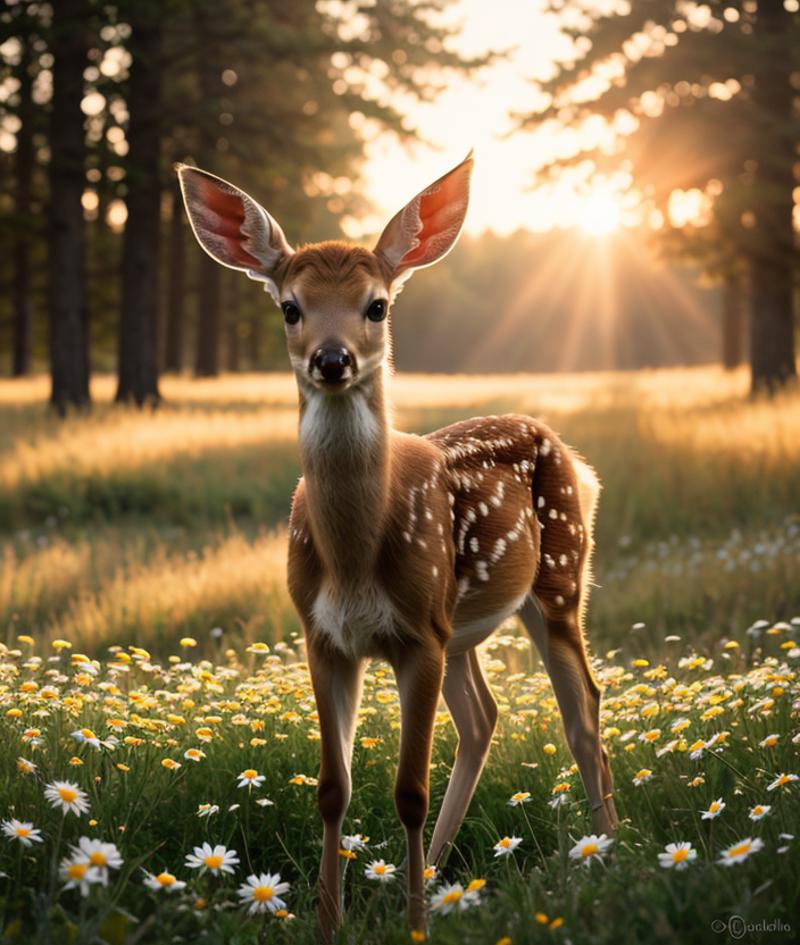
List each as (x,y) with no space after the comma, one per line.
(231,227)
(427,228)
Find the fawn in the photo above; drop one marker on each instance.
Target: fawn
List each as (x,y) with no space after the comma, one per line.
(407,548)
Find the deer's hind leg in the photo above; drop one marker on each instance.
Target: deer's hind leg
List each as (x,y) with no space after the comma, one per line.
(560,645)
(474,713)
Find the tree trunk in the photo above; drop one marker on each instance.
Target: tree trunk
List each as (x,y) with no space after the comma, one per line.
(733,307)
(772,319)
(67,287)
(23,160)
(232,321)
(176,287)
(209,320)
(138,350)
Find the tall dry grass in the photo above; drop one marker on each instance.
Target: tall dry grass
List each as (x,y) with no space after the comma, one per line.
(149,525)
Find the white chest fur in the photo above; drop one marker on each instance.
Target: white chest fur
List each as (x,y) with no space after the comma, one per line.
(354,622)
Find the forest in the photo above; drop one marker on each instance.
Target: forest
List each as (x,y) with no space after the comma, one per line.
(99,100)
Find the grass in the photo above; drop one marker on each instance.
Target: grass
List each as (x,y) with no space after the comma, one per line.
(121,530)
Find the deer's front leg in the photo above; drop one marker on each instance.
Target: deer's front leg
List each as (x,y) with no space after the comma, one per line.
(419,669)
(337,689)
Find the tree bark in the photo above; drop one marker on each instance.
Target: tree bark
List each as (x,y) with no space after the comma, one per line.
(209,320)
(67,287)
(23,161)
(138,351)
(176,287)
(772,355)
(733,307)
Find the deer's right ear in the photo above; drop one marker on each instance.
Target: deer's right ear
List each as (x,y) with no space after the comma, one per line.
(231,227)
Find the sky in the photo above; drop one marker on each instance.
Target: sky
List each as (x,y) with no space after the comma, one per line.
(474,113)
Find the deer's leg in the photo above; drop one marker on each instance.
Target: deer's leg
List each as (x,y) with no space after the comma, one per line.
(560,644)
(337,688)
(418,669)
(474,713)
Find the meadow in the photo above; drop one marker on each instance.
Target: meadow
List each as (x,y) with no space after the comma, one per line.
(152,657)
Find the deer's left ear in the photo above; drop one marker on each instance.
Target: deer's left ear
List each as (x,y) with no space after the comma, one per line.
(232,228)
(427,228)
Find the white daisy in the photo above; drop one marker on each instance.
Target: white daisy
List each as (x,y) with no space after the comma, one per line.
(715,808)
(25,766)
(521,797)
(250,778)
(85,736)
(677,856)
(164,881)
(214,859)
(506,846)
(740,851)
(79,875)
(781,780)
(380,871)
(24,832)
(559,800)
(67,796)
(759,811)
(591,848)
(262,893)
(206,810)
(451,898)
(355,842)
(97,855)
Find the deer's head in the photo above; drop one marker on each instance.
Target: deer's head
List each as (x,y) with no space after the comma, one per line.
(335,297)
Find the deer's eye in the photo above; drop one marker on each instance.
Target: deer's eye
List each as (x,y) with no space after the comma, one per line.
(291,312)
(377,310)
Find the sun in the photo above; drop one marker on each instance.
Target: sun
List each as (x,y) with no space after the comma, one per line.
(600,215)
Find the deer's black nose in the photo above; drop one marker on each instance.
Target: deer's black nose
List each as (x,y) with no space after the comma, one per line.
(331,362)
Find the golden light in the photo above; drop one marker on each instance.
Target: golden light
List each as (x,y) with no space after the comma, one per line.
(601,215)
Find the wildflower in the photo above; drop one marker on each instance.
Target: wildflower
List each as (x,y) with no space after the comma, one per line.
(473,890)
(215,859)
(68,796)
(677,855)
(559,800)
(250,778)
(506,846)
(759,811)
(24,832)
(652,735)
(347,854)
(549,749)
(170,764)
(429,874)
(98,856)
(194,754)
(781,780)
(262,893)
(644,775)
(206,810)
(79,875)
(355,842)
(740,851)
(24,766)
(381,871)
(521,797)
(265,802)
(85,736)
(715,808)
(368,742)
(591,848)
(451,898)
(187,642)
(769,742)
(205,734)
(163,881)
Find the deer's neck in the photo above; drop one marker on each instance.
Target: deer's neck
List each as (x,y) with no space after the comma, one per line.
(345,455)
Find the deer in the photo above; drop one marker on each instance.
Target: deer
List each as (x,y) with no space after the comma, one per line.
(412,549)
